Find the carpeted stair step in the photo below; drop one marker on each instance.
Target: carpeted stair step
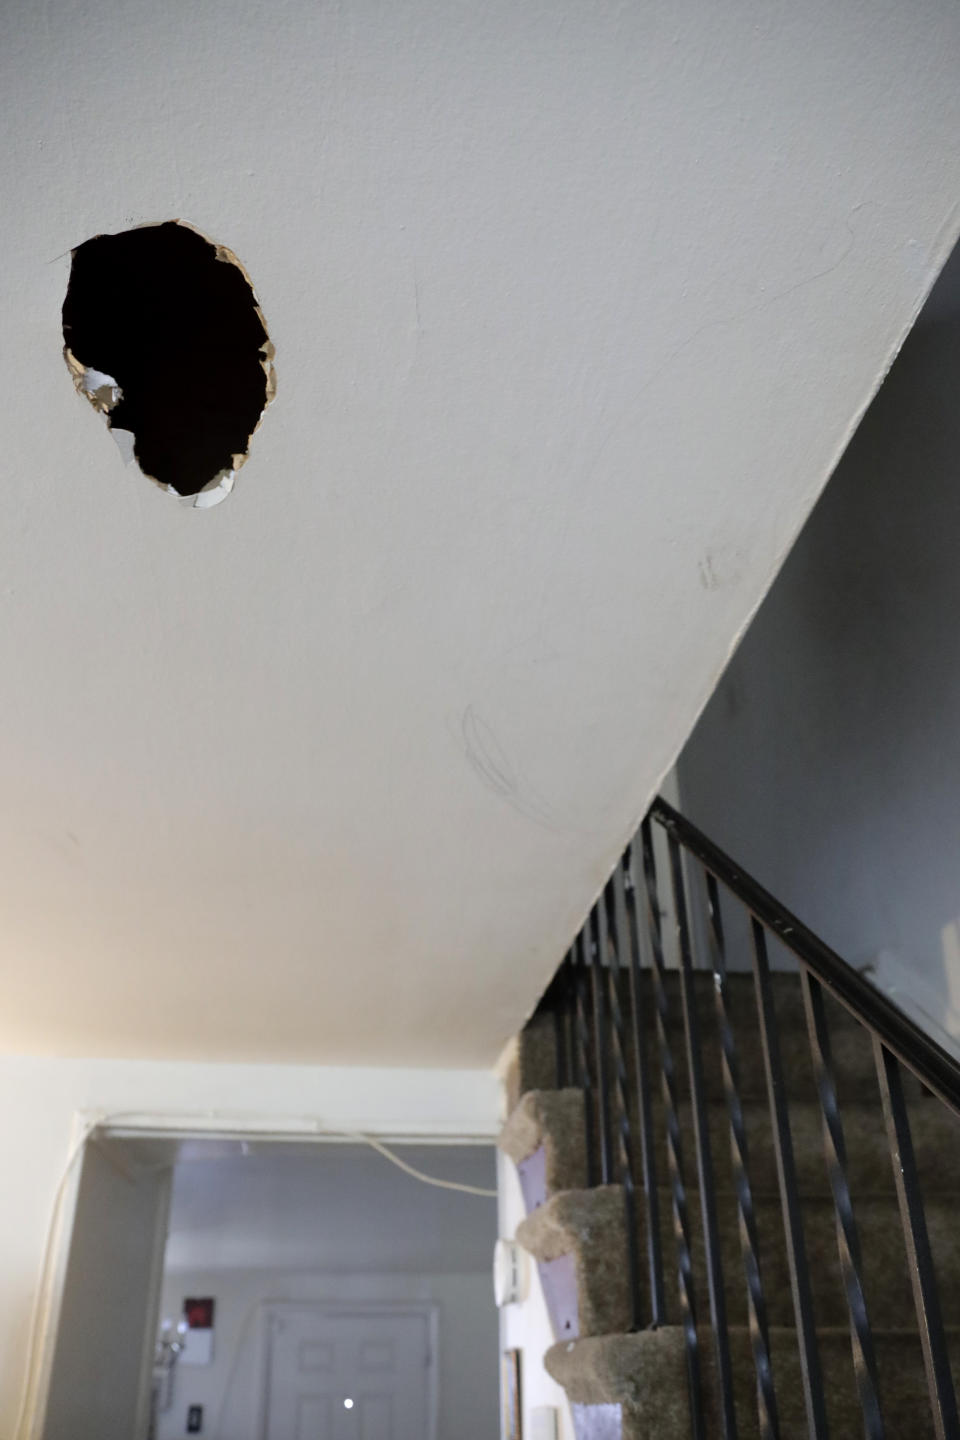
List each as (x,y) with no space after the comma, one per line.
(935,1131)
(545,1139)
(855,1071)
(588,1227)
(552,1121)
(646,1375)
(579,1240)
(533,1063)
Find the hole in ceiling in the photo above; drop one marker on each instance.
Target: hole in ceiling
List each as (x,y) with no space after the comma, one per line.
(163,335)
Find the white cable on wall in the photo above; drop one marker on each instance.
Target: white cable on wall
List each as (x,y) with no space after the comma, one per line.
(394,1159)
(41,1297)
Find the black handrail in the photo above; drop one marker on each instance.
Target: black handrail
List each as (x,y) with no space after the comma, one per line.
(932,1065)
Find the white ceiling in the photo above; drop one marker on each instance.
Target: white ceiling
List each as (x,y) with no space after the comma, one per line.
(574,306)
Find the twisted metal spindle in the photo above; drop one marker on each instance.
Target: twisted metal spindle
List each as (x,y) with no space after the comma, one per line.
(610,947)
(810,1371)
(933,1337)
(584,1076)
(592,932)
(648,1160)
(848,1240)
(701,1137)
(681,1218)
(749,1244)
(559,1006)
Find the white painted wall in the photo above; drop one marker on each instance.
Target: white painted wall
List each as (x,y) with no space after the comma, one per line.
(526,1326)
(827,761)
(42,1098)
(231,1389)
(100,1380)
(574,306)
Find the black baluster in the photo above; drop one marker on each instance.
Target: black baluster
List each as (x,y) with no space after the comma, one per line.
(681,1220)
(648,1161)
(749,1245)
(848,1240)
(559,996)
(582,1049)
(701,1135)
(592,931)
(810,1371)
(610,948)
(929,1318)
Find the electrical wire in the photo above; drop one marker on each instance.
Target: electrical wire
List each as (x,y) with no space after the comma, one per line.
(100,1122)
(394,1159)
(41,1295)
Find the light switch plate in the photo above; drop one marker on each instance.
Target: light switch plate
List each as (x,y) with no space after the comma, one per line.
(511,1278)
(543,1423)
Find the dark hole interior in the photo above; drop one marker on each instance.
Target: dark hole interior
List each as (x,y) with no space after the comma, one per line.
(179,331)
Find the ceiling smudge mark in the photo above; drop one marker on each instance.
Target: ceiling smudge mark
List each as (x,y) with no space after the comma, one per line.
(163,336)
(487,757)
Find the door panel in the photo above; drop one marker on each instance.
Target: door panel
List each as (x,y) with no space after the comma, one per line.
(376,1417)
(348,1375)
(314,1416)
(317,1357)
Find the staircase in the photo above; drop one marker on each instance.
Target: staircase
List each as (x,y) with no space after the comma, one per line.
(725,1246)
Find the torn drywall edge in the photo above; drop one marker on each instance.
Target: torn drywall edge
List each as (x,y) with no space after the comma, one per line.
(218,489)
(103,392)
(267,350)
(125,440)
(267,353)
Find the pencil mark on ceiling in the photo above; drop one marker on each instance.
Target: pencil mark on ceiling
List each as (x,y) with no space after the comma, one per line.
(66,844)
(416,301)
(493,766)
(418,323)
(415,331)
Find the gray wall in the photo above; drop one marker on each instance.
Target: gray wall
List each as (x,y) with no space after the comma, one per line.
(231,1388)
(828,760)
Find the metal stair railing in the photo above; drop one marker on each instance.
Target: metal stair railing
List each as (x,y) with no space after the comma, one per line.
(615,978)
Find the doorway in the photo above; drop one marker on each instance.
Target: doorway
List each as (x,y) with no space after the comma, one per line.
(283,1288)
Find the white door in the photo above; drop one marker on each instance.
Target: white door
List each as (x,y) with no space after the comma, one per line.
(348,1375)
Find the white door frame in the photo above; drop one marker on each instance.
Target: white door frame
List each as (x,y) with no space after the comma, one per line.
(45,1325)
(422,1308)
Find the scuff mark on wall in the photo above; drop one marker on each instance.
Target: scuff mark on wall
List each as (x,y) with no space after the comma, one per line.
(721,567)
